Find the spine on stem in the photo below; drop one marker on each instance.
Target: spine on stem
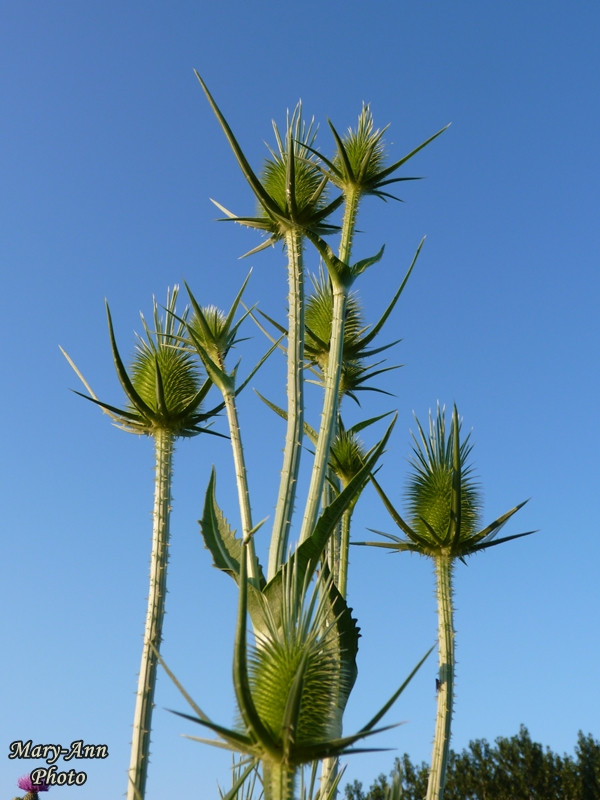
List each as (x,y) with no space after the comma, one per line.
(164,443)
(445,699)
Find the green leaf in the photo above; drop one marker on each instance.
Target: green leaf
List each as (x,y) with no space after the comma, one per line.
(361,266)
(224,546)
(345,643)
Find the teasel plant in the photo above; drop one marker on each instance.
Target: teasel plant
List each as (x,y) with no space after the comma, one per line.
(355,374)
(302,663)
(293,206)
(442,523)
(164,389)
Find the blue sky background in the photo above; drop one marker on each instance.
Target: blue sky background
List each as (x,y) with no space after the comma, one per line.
(109,156)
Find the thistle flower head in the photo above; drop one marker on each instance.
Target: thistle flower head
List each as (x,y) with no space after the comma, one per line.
(362,154)
(298,643)
(318,322)
(290,190)
(348,454)
(32,789)
(212,332)
(293,685)
(164,360)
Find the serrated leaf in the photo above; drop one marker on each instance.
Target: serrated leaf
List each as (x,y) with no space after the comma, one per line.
(219,538)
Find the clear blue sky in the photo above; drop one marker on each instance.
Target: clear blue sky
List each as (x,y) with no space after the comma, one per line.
(109,157)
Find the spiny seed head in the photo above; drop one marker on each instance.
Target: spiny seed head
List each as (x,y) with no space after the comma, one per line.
(318,321)
(298,193)
(430,485)
(307,182)
(178,371)
(347,455)
(273,668)
(219,338)
(364,149)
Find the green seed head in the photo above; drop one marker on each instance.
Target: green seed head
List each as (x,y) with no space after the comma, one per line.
(273,670)
(318,322)
(219,338)
(439,470)
(179,374)
(347,455)
(365,153)
(298,192)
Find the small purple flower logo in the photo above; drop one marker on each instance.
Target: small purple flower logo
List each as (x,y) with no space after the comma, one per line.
(26,783)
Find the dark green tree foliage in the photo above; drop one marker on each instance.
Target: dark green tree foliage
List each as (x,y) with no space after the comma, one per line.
(510,769)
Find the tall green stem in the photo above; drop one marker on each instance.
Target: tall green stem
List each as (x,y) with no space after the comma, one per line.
(351,203)
(295,403)
(241,477)
(278,781)
(339,566)
(445,700)
(334,371)
(328,413)
(164,444)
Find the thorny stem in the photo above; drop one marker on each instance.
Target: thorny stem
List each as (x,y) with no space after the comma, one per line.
(339,567)
(295,403)
(333,372)
(241,477)
(445,700)
(278,780)
(328,413)
(164,445)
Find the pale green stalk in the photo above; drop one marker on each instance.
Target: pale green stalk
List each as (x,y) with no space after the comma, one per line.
(295,404)
(241,477)
(329,423)
(164,444)
(445,698)
(278,781)
(333,372)
(328,414)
